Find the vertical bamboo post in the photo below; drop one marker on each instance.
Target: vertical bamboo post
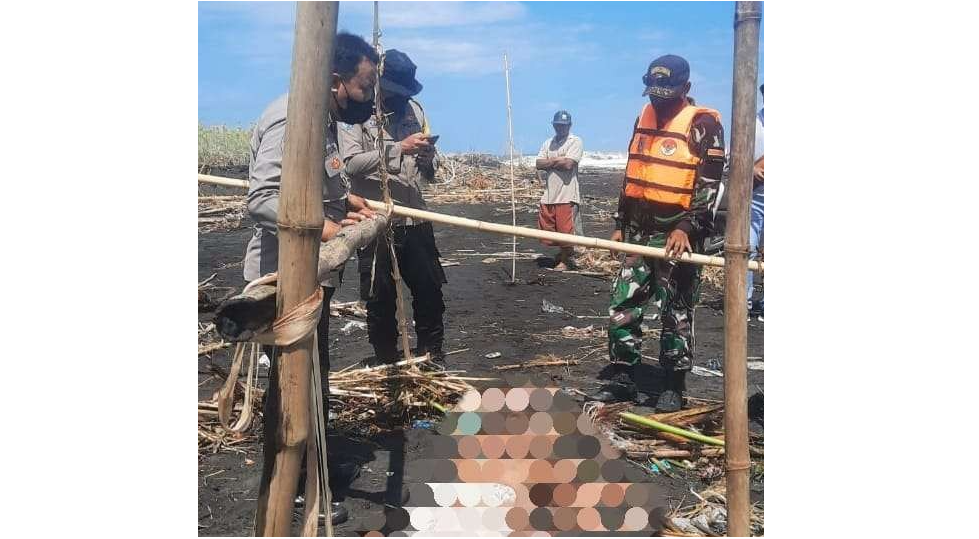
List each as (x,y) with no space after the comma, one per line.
(746,25)
(300,225)
(379,116)
(513,196)
(377,33)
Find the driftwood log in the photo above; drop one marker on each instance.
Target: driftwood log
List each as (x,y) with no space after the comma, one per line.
(245,315)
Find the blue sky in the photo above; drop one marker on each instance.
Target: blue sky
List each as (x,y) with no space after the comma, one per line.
(585,57)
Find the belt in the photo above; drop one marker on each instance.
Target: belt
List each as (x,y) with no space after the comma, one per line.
(408,221)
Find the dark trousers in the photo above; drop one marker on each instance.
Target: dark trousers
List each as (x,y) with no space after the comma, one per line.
(323,339)
(421,271)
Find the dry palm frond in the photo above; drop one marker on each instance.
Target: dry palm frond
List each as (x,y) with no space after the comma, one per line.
(544,360)
(586,333)
(371,398)
(220,213)
(350,308)
(206,342)
(212,437)
(713,276)
(599,261)
(472,178)
(690,416)
(708,516)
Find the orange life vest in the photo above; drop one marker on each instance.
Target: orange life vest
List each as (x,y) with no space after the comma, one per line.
(661,167)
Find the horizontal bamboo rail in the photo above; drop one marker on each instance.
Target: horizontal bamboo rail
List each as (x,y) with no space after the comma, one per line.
(507,230)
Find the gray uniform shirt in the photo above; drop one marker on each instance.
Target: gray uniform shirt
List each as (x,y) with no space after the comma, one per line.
(561,186)
(361,161)
(264,177)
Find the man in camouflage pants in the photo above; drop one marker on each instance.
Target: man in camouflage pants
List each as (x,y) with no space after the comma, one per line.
(676,158)
(674,289)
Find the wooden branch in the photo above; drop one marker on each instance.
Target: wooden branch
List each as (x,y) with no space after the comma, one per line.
(678,453)
(246,315)
(203,350)
(532,364)
(685,417)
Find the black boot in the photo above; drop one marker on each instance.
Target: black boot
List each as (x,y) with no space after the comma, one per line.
(620,388)
(671,399)
(342,474)
(338,513)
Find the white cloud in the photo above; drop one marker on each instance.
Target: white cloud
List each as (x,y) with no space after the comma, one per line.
(478,50)
(437,14)
(454,38)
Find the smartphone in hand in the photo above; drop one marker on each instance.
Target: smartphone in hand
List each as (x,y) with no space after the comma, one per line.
(432,139)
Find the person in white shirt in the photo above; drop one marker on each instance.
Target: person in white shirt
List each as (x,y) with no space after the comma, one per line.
(757,229)
(558,165)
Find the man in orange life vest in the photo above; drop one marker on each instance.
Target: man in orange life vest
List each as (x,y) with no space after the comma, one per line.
(676,157)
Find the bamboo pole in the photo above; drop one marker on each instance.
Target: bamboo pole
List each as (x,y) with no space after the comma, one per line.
(653,424)
(218,180)
(300,225)
(496,228)
(383,170)
(571,239)
(513,196)
(747,19)
(438,406)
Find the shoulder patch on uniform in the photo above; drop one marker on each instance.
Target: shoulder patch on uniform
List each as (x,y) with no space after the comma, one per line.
(698,134)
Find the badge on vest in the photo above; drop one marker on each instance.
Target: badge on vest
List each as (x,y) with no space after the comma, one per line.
(668,147)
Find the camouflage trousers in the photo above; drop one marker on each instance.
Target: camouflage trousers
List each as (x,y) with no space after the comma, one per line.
(674,289)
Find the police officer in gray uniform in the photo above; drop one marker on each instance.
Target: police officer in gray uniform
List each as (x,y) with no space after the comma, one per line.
(354,77)
(409,155)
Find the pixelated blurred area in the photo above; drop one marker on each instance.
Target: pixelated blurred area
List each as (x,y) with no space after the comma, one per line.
(529,461)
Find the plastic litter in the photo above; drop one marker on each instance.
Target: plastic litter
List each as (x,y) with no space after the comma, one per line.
(352,326)
(548,307)
(700,371)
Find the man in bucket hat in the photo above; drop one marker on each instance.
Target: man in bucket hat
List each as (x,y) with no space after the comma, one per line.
(676,157)
(409,155)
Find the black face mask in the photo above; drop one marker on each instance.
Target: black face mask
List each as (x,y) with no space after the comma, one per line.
(663,103)
(356,112)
